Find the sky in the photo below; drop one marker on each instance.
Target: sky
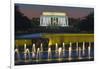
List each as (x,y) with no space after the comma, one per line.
(31,10)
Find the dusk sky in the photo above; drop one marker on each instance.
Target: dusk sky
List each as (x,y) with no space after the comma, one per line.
(31,10)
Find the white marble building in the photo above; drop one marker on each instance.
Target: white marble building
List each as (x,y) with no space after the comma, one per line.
(54,19)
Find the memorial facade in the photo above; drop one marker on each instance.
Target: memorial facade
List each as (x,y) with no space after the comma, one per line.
(54,19)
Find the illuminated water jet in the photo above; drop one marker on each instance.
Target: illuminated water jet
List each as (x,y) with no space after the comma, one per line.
(77,48)
(33,51)
(49,53)
(17,53)
(38,54)
(89,50)
(70,52)
(41,49)
(83,49)
(27,55)
(56,49)
(79,56)
(60,53)
(63,49)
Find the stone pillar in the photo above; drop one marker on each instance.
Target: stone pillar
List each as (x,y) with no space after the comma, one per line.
(49,20)
(64,21)
(44,21)
(58,20)
(41,20)
(61,23)
(67,21)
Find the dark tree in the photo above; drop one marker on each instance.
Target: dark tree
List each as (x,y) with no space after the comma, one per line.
(35,22)
(87,24)
(22,23)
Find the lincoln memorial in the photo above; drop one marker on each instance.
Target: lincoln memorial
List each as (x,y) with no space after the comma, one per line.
(54,19)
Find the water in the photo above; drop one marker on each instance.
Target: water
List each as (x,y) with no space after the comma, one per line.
(41,48)
(17,54)
(49,54)
(89,51)
(38,54)
(70,52)
(83,50)
(25,51)
(77,48)
(56,50)
(24,46)
(79,53)
(59,53)
(63,49)
(27,55)
(33,48)
(33,51)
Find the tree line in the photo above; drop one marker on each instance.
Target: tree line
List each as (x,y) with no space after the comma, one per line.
(24,24)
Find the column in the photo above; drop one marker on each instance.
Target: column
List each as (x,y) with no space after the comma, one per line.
(67,21)
(49,20)
(44,21)
(64,21)
(52,21)
(61,21)
(58,20)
